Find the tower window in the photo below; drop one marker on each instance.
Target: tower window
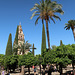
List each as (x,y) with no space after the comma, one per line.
(21,37)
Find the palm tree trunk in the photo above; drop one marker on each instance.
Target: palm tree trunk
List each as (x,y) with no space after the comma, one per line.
(44,66)
(7,70)
(73,33)
(40,69)
(49,71)
(61,71)
(47,33)
(29,69)
(22,70)
(73,66)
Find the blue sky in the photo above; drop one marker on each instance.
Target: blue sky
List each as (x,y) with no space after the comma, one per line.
(14,11)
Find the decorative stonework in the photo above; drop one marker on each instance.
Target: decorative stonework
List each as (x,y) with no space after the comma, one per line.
(20,38)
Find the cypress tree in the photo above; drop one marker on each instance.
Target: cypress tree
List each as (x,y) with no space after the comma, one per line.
(43,45)
(15,42)
(9,46)
(61,43)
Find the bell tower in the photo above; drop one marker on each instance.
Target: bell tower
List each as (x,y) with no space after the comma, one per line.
(20,38)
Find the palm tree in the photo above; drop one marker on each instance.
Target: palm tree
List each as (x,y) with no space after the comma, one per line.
(71,24)
(23,47)
(46,11)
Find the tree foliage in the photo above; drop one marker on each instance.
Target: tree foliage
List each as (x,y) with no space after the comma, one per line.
(9,46)
(2,59)
(71,24)
(43,45)
(39,59)
(23,47)
(11,62)
(15,43)
(60,56)
(54,47)
(46,10)
(27,60)
(61,43)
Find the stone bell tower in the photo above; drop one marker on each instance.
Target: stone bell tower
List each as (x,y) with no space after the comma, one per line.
(20,38)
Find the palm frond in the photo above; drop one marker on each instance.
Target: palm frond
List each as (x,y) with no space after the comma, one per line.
(52,19)
(34,14)
(49,8)
(36,22)
(56,17)
(67,28)
(49,20)
(36,4)
(36,7)
(55,6)
(66,24)
(59,11)
(43,2)
(58,6)
(32,8)
(52,5)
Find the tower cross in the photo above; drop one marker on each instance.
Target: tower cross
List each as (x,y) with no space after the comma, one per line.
(19,23)
(33,48)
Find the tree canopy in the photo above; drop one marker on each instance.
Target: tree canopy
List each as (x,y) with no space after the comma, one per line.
(9,46)
(11,62)
(15,49)
(43,45)
(2,59)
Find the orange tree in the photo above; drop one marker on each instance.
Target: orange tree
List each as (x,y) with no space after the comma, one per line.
(59,56)
(27,60)
(11,62)
(2,60)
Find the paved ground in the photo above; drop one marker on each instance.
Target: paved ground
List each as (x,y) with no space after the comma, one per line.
(69,68)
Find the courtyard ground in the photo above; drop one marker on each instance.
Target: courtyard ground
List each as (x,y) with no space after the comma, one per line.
(65,70)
